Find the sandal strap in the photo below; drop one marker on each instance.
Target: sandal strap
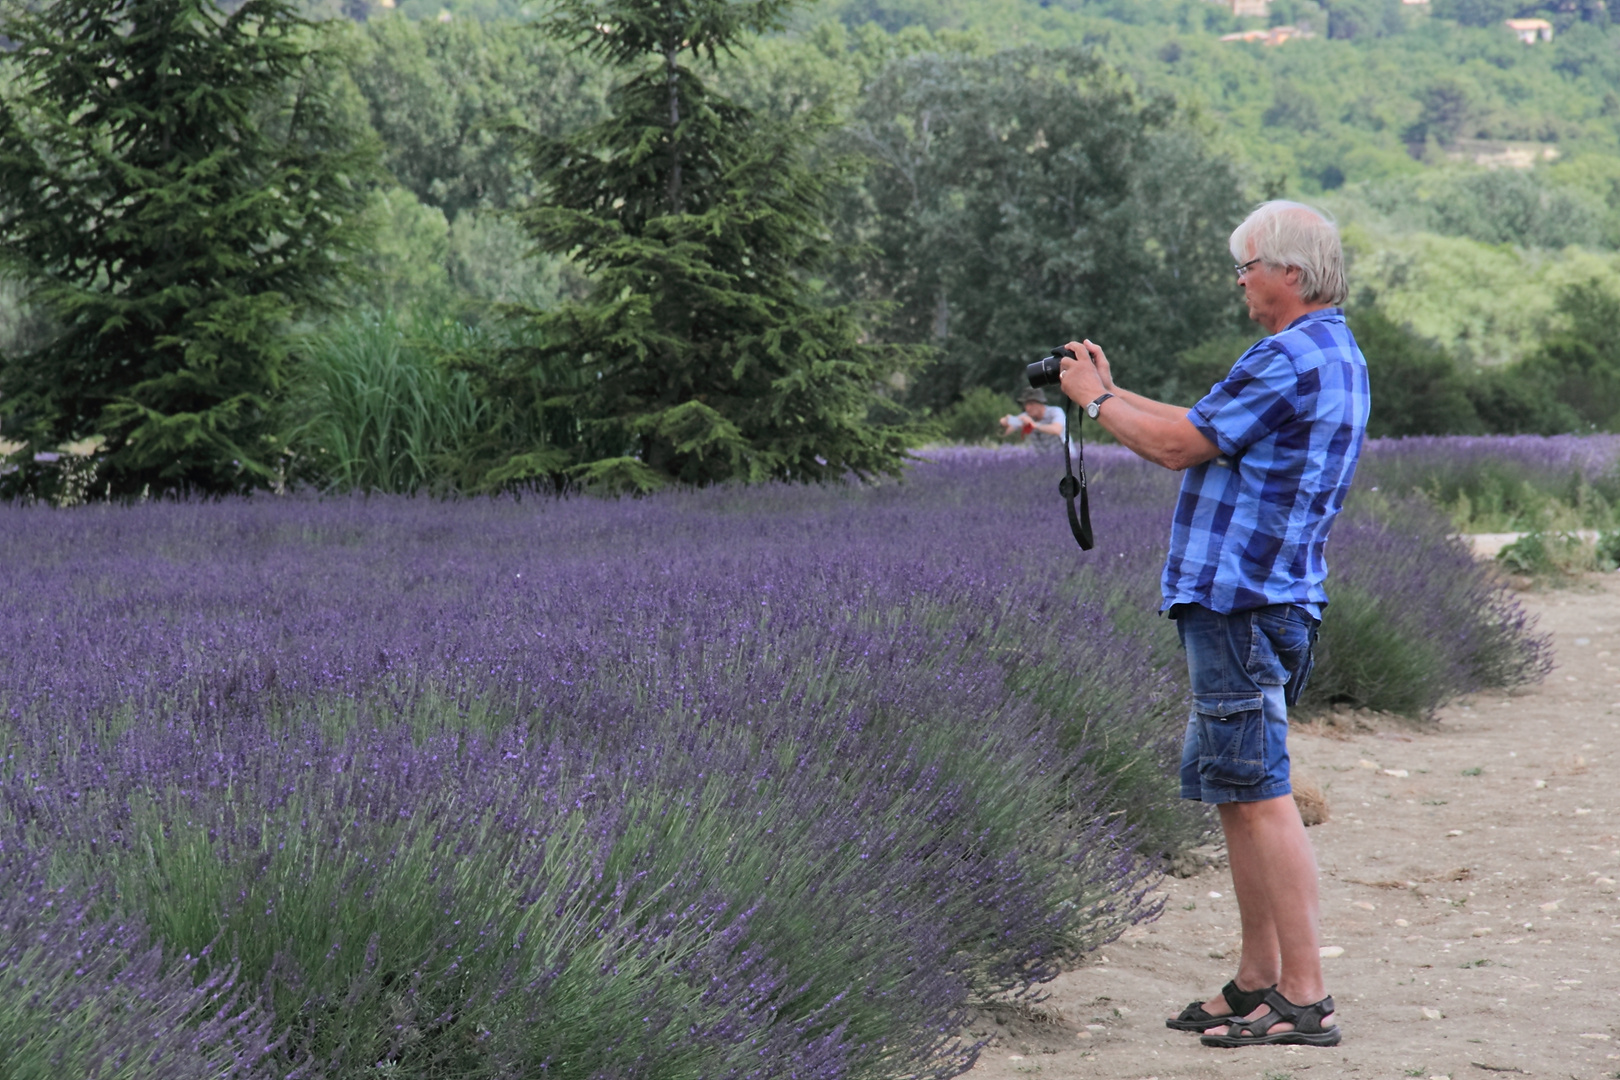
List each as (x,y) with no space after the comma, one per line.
(1307,1019)
(1243,1002)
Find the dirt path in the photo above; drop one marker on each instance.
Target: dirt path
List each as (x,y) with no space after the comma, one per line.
(1468,876)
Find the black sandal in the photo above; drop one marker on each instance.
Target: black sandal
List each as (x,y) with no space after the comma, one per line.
(1307,1021)
(1241,1002)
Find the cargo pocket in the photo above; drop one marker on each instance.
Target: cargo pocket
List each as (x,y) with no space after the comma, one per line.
(1231,738)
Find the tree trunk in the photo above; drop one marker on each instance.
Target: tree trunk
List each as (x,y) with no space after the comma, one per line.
(672,81)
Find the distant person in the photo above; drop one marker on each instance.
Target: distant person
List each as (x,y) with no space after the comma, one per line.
(1040,424)
(1268,456)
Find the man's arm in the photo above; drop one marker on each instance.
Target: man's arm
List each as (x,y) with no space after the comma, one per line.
(1105,372)
(1159,432)
(1158,408)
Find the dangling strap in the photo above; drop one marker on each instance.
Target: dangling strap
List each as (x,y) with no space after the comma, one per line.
(1070,486)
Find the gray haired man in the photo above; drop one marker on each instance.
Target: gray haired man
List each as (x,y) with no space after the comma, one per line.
(1266,457)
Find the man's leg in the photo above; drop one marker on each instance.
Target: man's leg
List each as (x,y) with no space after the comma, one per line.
(1274,877)
(1236,756)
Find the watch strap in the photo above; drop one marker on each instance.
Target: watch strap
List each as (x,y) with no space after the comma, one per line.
(1091,410)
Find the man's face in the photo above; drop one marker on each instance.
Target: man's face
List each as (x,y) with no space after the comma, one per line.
(1035,409)
(1268,290)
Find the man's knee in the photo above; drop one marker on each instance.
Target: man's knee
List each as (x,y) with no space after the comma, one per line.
(1258,811)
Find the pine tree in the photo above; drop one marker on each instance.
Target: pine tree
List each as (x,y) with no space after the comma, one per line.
(176,185)
(706,349)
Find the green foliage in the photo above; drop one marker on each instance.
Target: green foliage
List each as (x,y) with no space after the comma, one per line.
(407,264)
(1418,388)
(1487,304)
(1554,556)
(1368,663)
(492,262)
(974,419)
(1017,199)
(443,97)
(1532,209)
(1350,19)
(1580,367)
(705,349)
(373,409)
(23,326)
(1199,368)
(1607,550)
(176,184)
(1477,12)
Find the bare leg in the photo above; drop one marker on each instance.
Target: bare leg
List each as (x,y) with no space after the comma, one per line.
(1260,962)
(1274,876)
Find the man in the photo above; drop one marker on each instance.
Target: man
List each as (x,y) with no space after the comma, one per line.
(1041,425)
(1268,456)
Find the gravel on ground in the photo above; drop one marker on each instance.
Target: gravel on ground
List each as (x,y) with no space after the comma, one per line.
(1470,912)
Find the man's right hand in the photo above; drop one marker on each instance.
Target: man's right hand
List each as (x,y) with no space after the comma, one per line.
(1100,362)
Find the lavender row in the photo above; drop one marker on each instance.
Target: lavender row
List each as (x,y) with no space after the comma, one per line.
(738,782)
(1504,483)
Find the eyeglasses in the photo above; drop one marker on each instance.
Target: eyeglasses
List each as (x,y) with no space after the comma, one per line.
(1243,268)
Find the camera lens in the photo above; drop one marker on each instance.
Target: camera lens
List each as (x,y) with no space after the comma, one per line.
(1047,370)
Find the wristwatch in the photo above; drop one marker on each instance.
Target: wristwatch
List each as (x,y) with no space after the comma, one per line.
(1091,410)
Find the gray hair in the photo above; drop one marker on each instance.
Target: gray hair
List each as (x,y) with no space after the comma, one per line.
(1284,233)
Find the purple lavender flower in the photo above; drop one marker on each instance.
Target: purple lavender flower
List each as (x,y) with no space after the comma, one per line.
(747,783)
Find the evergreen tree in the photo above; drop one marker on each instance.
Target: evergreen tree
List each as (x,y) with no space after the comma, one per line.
(706,349)
(176,184)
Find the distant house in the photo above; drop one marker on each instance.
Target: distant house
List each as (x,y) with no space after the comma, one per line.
(1277,35)
(1259,9)
(1531,31)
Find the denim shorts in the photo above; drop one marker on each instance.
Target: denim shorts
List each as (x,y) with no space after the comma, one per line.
(1246,668)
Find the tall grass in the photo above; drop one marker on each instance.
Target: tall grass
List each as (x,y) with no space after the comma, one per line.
(373,409)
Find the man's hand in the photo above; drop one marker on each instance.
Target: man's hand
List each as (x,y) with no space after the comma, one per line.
(1098,360)
(1161,433)
(1081,381)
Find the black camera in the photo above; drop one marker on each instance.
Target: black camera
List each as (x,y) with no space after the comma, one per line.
(1048,369)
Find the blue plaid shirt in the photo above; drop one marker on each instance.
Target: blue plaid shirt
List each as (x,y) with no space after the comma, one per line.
(1289,420)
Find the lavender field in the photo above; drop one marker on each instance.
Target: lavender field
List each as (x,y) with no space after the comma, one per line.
(766,782)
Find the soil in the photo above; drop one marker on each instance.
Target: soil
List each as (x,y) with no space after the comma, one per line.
(1470,912)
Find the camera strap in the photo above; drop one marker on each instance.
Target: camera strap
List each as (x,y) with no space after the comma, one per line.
(1071,485)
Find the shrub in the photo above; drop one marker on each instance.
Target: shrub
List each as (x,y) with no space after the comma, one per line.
(373,408)
(1415,619)
(1493,483)
(732,782)
(976,418)
(1552,555)
(85,995)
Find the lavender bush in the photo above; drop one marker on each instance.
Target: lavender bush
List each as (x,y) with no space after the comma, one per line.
(1502,483)
(87,996)
(729,783)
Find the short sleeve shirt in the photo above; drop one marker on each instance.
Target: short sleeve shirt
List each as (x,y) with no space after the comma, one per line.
(1289,419)
(1053,415)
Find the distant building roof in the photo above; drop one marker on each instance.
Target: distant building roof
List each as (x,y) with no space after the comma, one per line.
(1530,31)
(1275,36)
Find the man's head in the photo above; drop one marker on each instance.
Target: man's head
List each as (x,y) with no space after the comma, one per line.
(1290,257)
(1033,401)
